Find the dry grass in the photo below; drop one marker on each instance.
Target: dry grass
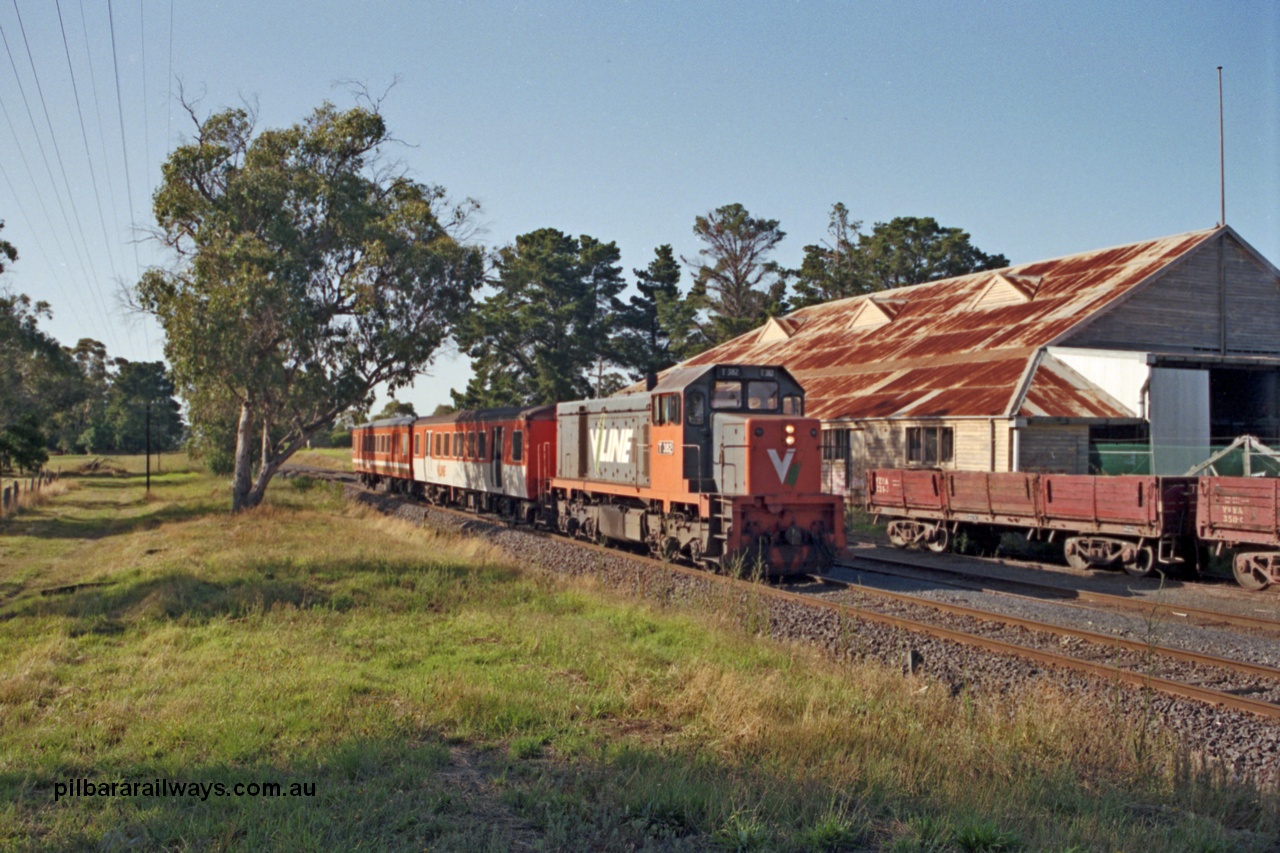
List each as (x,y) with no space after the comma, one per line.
(438,696)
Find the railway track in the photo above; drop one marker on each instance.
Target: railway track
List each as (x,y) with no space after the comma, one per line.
(1144,659)
(1185,677)
(967,578)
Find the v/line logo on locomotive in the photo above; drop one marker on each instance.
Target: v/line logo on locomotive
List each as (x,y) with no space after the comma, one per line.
(610,445)
(613,444)
(787,473)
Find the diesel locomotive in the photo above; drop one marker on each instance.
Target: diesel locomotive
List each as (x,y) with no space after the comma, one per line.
(715,464)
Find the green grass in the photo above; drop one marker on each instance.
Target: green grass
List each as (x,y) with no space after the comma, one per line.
(437,695)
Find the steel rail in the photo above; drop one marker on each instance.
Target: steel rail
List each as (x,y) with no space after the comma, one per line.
(1206,695)
(1243,667)
(1117,601)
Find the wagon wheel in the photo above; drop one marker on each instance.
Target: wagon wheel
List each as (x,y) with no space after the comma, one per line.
(1248,574)
(1075,559)
(895,535)
(1142,564)
(695,553)
(939,540)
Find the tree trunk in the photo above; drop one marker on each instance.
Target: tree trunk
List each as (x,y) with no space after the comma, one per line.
(240,494)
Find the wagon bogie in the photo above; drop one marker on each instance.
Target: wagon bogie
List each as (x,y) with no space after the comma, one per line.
(1255,570)
(1136,558)
(1243,514)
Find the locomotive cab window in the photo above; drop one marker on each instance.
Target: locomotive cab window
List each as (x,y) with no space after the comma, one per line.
(727,395)
(697,410)
(930,445)
(793,404)
(762,396)
(517,446)
(666,410)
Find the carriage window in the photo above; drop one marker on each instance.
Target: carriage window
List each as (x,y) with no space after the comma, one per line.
(697,408)
(727,395)
(793,404)
(404,444)
(762,396)
(457,445)
(417,444)
(435,448)
(480,446)
(471,445)
(517,446)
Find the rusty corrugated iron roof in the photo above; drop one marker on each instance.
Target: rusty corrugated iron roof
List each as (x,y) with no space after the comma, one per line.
(962,346)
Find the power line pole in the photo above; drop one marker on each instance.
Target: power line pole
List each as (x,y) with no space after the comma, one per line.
(148,448)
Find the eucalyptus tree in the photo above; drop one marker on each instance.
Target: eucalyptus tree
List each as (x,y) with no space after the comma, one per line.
(306,272)
(740,285)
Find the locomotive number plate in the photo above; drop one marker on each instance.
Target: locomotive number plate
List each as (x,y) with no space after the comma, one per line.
(667,448)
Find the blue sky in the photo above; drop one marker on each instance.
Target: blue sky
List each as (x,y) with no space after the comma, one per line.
(1043,129)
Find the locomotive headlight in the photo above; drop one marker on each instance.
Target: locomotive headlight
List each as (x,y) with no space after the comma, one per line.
(790,429)
(791,439)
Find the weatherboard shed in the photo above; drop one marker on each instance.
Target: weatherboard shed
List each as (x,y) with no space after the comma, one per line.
(1163,349)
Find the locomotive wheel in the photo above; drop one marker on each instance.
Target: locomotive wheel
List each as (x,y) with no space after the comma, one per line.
(1075,559)
(939,541)
(1142,565)
(1248,575)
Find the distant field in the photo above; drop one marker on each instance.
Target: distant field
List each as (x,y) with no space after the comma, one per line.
(329,458)
(433,694)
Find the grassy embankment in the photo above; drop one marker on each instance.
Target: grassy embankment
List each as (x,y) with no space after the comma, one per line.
(435,694)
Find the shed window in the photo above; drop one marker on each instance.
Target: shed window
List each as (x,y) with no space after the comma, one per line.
(930,445)
(517,445)
(835,444)
(727,395)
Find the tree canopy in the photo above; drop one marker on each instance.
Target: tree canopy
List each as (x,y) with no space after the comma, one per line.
(543,334)
(306,273)
(905,250)
(734,277)
(643,342)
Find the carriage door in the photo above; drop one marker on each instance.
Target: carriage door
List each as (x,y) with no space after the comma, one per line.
(497,460)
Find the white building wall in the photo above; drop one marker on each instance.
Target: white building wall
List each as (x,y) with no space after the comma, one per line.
(1121,374)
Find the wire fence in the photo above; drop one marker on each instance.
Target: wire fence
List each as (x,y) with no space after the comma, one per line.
(1171,459)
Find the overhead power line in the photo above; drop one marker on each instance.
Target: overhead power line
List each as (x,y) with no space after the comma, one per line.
(79,253)
(84,135)
(85,260)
